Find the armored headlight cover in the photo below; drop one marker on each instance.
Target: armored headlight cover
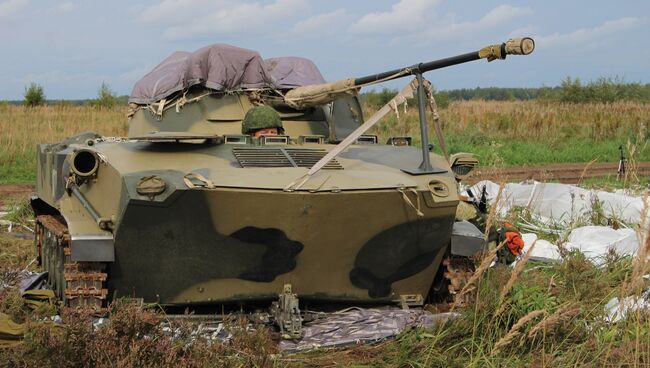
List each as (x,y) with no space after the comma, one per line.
(462,164)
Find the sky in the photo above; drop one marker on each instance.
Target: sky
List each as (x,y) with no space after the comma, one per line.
(72,47)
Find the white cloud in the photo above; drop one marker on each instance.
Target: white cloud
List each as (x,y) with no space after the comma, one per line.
(323,23)
(502,14)
(198,18)
(171,12)
(406,15)
(131,76)
(11,7)
(67,7)
(523,31)
(417,22)
(587,36)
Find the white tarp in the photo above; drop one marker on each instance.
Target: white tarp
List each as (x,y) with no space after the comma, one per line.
(563,204)
(569,207)
(544,250)
(615,310)
(595,242)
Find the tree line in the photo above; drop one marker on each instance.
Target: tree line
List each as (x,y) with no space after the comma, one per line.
(35,96)
(570,90)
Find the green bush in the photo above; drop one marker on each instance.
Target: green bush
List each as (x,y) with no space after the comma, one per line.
(603,89)
(34,95)
(378,99)
(106,98)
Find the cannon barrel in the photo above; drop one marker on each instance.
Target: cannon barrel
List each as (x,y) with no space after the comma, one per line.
(319,94)
(515,46)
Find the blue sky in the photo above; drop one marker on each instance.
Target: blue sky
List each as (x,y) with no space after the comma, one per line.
(71,47)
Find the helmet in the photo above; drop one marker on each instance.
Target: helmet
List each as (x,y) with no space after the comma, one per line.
(260,117)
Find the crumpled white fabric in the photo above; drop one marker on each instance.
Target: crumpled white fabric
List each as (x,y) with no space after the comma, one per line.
(544,250)
(595,242)
(563,204)
(616,311)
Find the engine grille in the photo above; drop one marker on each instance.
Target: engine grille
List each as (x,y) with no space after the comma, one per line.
(282,157)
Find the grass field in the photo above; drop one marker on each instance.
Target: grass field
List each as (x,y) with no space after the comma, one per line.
(501,133)
(531,132)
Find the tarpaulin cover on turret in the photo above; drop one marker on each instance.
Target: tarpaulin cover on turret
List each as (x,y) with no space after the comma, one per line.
(219,67)
(291,72)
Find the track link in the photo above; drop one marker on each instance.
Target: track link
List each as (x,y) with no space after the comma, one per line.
(75,283)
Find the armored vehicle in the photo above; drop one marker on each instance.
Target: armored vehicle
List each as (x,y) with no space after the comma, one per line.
(190,208)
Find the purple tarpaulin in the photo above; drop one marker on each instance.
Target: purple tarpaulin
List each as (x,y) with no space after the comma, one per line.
(222,68)
(219,67)
(291,71)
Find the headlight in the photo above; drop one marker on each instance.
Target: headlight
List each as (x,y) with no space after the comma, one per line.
(462,164)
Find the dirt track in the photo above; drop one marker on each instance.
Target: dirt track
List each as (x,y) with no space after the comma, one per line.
(565,173)
(10,193)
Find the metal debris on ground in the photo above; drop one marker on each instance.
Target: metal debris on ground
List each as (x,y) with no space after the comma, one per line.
(354,326)
(32,281)
(348,327)
(24,280)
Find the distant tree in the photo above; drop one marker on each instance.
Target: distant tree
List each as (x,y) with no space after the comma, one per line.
(442,99)
(378,99)
(34,95)
(106,98)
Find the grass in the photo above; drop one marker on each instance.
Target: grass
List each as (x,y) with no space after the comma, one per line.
(532,132)
(500,132)
(23,128)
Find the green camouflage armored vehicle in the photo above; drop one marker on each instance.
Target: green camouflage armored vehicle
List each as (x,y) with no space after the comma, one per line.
(194,207)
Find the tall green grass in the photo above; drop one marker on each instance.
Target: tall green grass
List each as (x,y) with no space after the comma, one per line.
(500,132)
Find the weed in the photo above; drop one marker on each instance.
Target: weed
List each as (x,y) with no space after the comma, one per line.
(21,212)
(15,253)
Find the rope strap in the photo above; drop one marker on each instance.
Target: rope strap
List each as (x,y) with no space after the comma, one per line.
(408,201)
(205,183)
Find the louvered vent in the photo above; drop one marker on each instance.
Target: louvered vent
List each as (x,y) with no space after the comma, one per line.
(282,157)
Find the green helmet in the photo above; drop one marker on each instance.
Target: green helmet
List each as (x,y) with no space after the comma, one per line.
(260,117)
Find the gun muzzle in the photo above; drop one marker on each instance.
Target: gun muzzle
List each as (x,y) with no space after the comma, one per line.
(520,46)
(514,46)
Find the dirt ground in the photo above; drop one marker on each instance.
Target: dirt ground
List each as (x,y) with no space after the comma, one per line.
(11,193)
(564,173)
